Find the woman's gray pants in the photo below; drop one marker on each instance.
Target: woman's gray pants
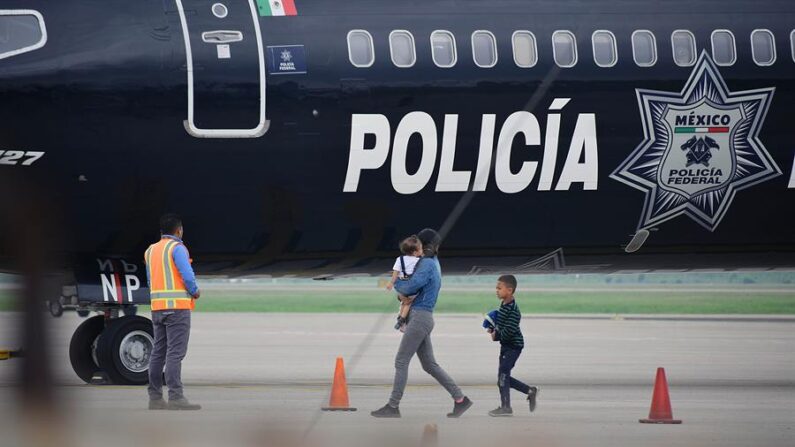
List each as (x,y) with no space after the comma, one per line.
(417,340)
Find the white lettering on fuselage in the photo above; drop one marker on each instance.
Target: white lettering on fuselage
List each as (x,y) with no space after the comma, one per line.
(581,164)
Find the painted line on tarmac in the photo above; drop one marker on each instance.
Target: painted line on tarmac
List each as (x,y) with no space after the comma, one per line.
(324,386)
(721,318)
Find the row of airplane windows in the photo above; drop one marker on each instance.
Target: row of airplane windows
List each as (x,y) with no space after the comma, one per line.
(361,50)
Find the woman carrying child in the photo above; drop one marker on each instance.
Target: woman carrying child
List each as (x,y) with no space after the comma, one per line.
(425,283)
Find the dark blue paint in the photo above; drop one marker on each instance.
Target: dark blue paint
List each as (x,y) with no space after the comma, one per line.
(107,96)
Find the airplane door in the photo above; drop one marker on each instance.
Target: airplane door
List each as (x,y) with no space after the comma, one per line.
(226,68)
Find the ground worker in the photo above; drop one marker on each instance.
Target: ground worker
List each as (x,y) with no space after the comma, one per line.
(173,291)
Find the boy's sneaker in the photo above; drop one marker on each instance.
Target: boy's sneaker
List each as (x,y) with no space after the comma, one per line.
(460,407)
(531,398)
(501,412)
(387,411)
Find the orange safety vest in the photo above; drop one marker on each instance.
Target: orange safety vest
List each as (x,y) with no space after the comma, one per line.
(166,289)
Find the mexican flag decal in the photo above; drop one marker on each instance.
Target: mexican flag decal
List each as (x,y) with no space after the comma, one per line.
(277,8)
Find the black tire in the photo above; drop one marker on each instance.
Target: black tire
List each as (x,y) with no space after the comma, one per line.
(81,347)
(109,350)
(83,313)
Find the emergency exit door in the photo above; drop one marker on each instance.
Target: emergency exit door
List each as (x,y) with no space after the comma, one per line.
(226,68)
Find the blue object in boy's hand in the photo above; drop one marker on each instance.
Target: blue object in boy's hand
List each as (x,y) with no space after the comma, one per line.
(490,322)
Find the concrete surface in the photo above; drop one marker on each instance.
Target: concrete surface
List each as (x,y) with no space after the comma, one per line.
(262,378)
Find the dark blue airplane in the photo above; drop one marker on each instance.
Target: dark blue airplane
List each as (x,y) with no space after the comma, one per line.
(306,137)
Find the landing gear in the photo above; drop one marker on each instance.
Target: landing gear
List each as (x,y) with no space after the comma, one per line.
(124,350)
(82,348)
(118,347)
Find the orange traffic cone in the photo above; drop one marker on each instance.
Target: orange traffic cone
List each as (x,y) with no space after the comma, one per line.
(660,412)
(339,390)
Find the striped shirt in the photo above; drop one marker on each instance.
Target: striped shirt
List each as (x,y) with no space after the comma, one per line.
(508,331)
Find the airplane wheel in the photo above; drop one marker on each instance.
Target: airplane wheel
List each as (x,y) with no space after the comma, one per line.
(83,345)
(124,350)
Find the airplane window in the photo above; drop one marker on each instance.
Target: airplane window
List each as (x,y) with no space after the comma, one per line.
(525,53)
(644,48)
(401,46)
(220,10)
(564,48)
(484,49)
(792,44)
(723,48)
(443,45)
(605,53)
(763,47)
(360,48)
(684,47)
(21,31)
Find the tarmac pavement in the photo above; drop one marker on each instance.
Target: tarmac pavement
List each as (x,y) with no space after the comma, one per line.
(262,378)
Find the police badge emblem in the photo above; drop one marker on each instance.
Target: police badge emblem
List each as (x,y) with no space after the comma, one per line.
(701,146)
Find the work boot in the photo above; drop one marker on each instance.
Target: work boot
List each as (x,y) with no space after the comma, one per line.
(460,407)
(182,404)
(387,411)
(531,398)
(158,404)
(501,412)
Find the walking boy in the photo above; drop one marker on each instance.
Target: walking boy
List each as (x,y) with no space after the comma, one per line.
(509,334)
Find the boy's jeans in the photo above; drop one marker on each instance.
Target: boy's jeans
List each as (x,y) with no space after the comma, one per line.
(508,358)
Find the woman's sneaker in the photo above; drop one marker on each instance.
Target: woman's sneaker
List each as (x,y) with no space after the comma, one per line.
(460,407)
(501,412)
(531,398)
(387,411)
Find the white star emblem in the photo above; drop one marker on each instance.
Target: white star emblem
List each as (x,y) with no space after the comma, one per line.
(701,146)
(286,56)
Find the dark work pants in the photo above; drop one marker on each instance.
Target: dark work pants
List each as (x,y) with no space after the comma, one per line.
(508,358)
(172,331)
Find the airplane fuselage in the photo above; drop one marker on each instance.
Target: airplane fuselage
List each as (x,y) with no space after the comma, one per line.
(285,158)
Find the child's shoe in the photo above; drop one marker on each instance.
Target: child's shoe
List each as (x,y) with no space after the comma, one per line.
(531,398)
(401,324)
(501,412)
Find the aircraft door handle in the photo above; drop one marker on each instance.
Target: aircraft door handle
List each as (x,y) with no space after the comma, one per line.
(221,36)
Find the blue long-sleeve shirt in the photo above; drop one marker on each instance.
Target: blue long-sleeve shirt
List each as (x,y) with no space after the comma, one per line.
(182,261)
(425,283)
